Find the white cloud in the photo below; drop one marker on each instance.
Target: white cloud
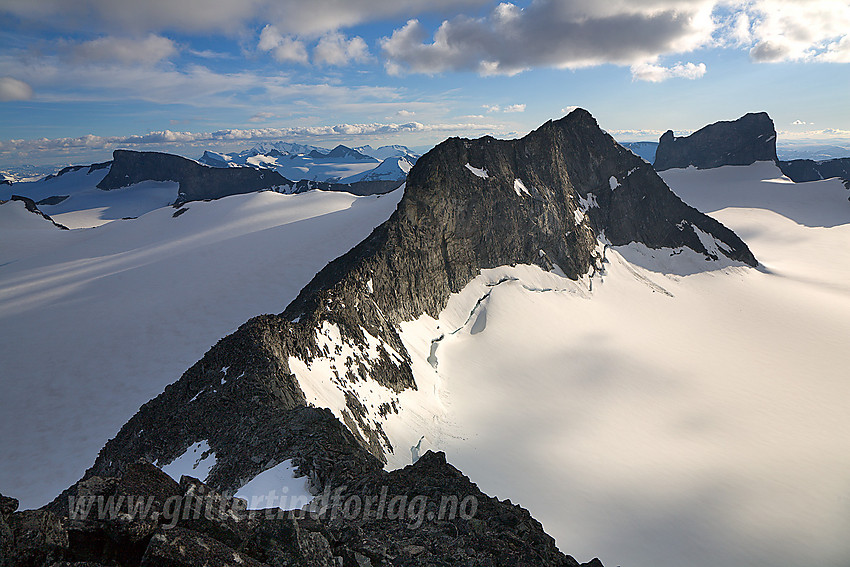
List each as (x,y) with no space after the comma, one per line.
(798,123)
(794,30)
(13,89)
(658,73)
(509,108)
(283,48)
(261,117)
(148,50)
(568,109)
(548,33)
(335,49)
(405,113)
(307,19)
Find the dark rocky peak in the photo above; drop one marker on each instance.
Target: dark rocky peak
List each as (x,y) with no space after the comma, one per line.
(552,198)
(345,152)
(547,199)
(196,181)
(32,207)
(744,141)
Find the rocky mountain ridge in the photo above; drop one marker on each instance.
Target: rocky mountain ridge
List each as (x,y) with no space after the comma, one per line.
(553,199)
(743,141)
(546,200)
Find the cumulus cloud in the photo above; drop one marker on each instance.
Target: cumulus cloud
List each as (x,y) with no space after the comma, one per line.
(283,48)
(658,73)
(509,108)
(793,30)
(147,50)
(799,123)
(548,33)
(405,113)
(335,49)
(13,89)
(568,109)
(312,18)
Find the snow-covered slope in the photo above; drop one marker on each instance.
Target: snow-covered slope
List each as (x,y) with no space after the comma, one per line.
(391,169)
(96,322)
(74,200)
(658,419)
(384,152)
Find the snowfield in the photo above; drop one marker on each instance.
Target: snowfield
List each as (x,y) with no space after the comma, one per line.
(96,322)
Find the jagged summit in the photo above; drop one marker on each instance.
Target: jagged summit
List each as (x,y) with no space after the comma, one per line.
(548,199)
(744,141)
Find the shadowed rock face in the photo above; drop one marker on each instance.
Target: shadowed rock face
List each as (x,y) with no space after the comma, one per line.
(549,199)
(746,140)
(196,181)
(428,513)
(800,170)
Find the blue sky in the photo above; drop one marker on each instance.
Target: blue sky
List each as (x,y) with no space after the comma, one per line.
(79,79)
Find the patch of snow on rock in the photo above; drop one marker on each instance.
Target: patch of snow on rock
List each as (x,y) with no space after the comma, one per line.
(482,173)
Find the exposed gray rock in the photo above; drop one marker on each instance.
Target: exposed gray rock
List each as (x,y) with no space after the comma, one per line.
(33,208)
(178,547)
(800,170)
(746,140)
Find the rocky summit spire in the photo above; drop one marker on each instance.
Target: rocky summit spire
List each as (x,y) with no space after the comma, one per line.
(548,199)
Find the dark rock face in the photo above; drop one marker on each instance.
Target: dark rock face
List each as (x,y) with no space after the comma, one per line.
(801,170)
(428,513)
(196,181)
(33,208)
(746,140)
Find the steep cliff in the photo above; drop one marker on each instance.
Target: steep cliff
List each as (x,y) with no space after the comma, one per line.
(746,140)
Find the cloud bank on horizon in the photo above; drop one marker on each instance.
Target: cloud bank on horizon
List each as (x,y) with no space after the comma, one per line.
(310,65)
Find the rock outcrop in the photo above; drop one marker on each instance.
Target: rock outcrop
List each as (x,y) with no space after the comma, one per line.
(428,513)
(801,170)
(744,141)
(32,207)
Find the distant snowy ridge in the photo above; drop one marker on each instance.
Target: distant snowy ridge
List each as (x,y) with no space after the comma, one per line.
(340,164)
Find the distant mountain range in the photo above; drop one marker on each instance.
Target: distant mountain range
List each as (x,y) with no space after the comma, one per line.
(340,164)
